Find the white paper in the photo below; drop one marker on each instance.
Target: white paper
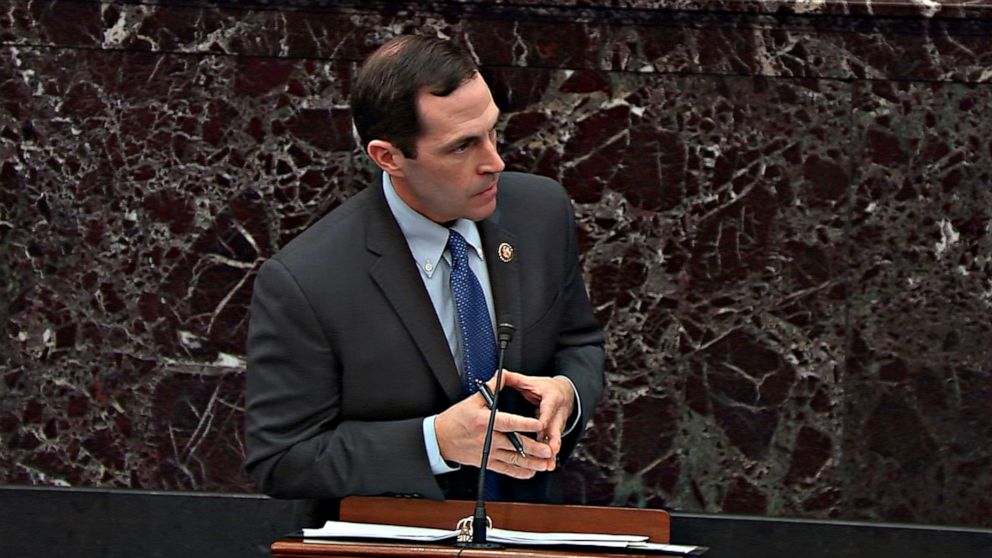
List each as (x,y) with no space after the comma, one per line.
(530,537)
(669,548)
(347,529)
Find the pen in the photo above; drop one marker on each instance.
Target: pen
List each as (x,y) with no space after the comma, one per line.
(487,394)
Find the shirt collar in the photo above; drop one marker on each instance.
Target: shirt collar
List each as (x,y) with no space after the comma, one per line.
(427,240)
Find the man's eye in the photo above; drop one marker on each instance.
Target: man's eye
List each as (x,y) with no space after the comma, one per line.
(461,148)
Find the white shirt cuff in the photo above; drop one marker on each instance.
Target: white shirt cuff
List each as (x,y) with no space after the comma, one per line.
(578,408)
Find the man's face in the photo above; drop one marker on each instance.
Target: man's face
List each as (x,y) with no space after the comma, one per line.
(457,167)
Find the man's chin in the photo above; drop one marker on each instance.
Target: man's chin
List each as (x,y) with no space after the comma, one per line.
(482,211)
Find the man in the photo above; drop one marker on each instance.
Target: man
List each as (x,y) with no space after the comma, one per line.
(358,365)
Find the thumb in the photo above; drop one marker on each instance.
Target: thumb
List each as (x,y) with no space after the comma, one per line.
(512,379)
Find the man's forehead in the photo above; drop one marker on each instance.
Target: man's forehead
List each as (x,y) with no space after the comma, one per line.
(471,105)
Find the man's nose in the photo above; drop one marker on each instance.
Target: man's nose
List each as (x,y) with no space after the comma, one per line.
(492,163)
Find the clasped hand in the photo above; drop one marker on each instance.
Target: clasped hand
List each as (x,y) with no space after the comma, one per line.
(461,429)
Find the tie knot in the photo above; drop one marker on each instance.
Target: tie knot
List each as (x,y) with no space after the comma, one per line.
(458,246)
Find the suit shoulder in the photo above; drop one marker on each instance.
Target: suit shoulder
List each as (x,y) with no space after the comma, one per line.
(531,188)
(341,229)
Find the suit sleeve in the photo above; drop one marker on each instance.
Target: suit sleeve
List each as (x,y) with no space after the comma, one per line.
(580,355)
(297,444)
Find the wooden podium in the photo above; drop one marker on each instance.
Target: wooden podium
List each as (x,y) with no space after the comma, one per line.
(655,524)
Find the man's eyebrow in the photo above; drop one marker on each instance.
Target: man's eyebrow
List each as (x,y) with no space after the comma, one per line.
(466,139)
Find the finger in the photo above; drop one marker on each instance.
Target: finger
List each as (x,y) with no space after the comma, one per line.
(510,378)
(513,380)
(554,441)
(511,463)
(528,386)
(559,426)
(552,434)
(509,422)
(539,456)
(491,382)
(543,441)
(514,472)
(553,397)
(533,389)
(537,449)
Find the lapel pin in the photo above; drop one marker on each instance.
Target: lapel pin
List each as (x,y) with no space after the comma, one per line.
(505,252)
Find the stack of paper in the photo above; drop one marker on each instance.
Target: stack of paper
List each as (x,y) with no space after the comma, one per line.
(350,530)
(507,536)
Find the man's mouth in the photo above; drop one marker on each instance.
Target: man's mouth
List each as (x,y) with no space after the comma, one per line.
(492,185)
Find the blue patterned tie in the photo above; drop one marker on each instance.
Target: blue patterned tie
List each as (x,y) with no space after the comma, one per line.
(478,341)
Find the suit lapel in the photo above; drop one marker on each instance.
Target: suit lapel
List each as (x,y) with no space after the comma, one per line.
(403,288)
(500,246)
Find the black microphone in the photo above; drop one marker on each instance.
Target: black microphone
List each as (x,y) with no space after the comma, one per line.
(479,524)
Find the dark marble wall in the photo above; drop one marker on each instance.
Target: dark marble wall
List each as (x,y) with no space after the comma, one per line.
(786,214)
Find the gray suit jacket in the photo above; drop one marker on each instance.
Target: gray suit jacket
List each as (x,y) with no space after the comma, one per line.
(346,355)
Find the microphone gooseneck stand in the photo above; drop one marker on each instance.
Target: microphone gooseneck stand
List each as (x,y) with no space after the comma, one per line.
(479,518)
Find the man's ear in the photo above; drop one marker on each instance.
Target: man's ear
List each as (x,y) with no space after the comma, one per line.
(387,156)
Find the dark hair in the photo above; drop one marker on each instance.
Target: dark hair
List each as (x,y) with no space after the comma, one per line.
(384,97)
